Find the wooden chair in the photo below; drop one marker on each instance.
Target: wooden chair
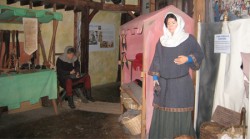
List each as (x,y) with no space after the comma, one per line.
(76,91)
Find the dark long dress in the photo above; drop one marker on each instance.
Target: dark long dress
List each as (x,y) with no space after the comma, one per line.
(175,101)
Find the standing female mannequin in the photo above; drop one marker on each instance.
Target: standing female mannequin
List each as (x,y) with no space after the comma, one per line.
(175,53)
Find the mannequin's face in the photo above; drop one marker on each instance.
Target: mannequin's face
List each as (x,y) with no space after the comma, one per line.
(70,56)
(172,25)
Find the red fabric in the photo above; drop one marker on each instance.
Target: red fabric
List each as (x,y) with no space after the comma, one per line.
(71,82)
(138,61)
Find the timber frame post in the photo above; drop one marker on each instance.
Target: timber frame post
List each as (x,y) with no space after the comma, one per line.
(85,21)
(85,41)
(199,12)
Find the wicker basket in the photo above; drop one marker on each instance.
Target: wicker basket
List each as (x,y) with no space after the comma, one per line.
(133,124)
(129,103)
(210,130)
(237,130)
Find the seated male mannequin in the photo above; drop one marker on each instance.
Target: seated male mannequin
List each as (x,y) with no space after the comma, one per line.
(68,73)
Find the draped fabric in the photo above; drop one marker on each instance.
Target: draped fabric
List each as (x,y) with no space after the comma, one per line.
(208,72)
(230,90)
(209,18)
(168,125)
(17,88)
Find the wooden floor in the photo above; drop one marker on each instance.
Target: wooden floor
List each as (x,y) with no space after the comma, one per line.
(98,106)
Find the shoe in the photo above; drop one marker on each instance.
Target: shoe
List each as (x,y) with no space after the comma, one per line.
(71,102)
(89,96)
(79,93)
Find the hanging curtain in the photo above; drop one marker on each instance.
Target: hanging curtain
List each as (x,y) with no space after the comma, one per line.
(209,17)
(230,90)
(208,73)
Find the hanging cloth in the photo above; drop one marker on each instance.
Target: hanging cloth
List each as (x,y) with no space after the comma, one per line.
(6,38)
(17,45)
(1,43)
(230,90)
(11,61)
(17,48)
(124,44)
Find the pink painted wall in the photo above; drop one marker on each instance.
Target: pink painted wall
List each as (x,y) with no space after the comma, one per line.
(142,35)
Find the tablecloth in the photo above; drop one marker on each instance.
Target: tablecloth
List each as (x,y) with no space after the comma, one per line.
(16,88)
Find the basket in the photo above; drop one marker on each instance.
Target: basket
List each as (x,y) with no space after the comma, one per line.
(210,130)
(234,131)
(133,124)
(129,103)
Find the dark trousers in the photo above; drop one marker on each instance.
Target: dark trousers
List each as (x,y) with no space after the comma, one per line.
(85,80)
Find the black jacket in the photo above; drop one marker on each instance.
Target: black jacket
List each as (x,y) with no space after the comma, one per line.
(63,70)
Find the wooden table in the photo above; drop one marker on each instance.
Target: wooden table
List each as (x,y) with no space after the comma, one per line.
(17,88)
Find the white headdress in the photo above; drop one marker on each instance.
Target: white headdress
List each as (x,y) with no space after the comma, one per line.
(179,35)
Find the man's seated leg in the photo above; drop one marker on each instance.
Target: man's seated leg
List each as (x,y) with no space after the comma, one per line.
(78,90)
(87,86)
(69,93)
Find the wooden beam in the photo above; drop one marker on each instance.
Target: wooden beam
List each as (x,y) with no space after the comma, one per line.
(37,3)
(85,41)
(48,5)
(190,6)
(93,13)
(131,14)
(8,21)
(80,4)
(114,7)
(11,1)
(75,29)
(40,42)
(68,7)
(143,110)
(30,4)
(60,6)
(140,5)
(152,5)
(24,2)
(123,2)
(199,10)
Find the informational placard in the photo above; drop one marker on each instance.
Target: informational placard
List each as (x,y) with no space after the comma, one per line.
(30,35)
(101,37)
(222,43)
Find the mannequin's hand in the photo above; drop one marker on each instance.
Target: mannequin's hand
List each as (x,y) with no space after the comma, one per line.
(77,75)
(156,82)
(72,72)
(181,60)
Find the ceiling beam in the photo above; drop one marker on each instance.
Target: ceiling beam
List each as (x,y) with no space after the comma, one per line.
(81,4)
(68,8)
(48,5)
(114,7)
(78,3)
(92,14)
(60,6)
(131,14)
(11,1)
(37,3)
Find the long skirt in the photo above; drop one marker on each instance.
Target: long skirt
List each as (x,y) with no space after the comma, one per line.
(168,125)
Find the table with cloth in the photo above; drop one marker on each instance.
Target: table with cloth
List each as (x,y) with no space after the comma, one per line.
(17,88)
